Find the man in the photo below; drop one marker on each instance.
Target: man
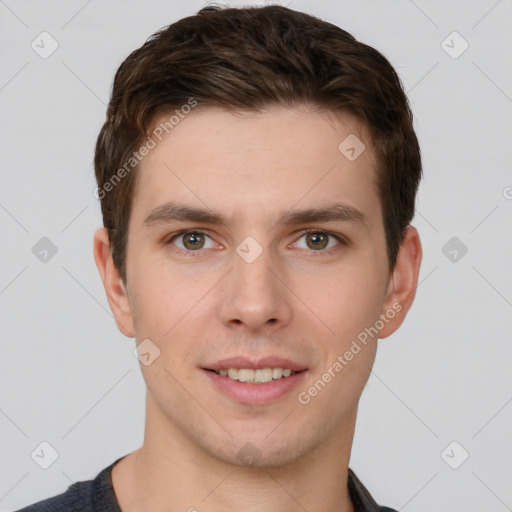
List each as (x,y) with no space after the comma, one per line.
(257,173)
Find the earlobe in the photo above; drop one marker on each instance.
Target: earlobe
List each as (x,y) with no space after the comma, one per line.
(403,282)
(114,287)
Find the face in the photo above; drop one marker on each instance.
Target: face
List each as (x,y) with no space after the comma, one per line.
(255,243)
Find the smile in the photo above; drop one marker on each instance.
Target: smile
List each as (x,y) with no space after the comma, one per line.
(259,376)
(256,386)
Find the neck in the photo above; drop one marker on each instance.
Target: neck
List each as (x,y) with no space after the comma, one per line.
(170,473)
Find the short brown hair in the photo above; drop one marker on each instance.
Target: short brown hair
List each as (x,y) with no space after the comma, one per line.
(244,60)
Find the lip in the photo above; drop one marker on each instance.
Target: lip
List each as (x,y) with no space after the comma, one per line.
(256,394)
(265,362)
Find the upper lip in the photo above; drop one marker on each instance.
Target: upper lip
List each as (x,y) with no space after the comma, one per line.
(256,364)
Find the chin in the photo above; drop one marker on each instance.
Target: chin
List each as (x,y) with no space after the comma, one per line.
(261,453)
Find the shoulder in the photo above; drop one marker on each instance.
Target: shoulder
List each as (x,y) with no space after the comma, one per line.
(78,497)
(95,495)
(361,497)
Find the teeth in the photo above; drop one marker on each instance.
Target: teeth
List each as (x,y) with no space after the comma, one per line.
(259,376)
(263,375)
(245,375)
(277,373)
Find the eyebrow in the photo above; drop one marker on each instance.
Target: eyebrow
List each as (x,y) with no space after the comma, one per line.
(170,212)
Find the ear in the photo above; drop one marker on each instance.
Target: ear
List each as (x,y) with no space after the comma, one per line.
(402,283)
(114,286)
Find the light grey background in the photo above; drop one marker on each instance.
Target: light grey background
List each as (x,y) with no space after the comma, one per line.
(68,377)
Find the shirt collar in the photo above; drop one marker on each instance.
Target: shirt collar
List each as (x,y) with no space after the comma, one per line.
(361,498)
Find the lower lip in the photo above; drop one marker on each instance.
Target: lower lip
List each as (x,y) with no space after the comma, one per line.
(258,394)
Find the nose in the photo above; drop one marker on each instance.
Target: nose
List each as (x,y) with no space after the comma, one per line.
(254,297)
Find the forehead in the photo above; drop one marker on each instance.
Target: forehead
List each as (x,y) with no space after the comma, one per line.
(214,125)
(274,157)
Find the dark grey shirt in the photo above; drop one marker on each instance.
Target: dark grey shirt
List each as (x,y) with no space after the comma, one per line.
(98,496)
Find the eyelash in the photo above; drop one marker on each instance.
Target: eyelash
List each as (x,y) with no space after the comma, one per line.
(342,240)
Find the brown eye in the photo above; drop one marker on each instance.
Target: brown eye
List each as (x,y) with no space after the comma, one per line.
(317,240)
(193,241)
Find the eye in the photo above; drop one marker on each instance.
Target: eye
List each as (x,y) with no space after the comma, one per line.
(319,241)
(193,241)
(189,241)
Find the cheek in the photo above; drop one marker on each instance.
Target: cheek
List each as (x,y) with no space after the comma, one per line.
(164,292)
(170,308)
(349,305)
(347,301)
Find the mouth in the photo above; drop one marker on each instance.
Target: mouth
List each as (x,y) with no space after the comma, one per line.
(258,376)
(255,382)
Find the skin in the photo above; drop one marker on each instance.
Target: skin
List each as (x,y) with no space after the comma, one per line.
(295,301)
